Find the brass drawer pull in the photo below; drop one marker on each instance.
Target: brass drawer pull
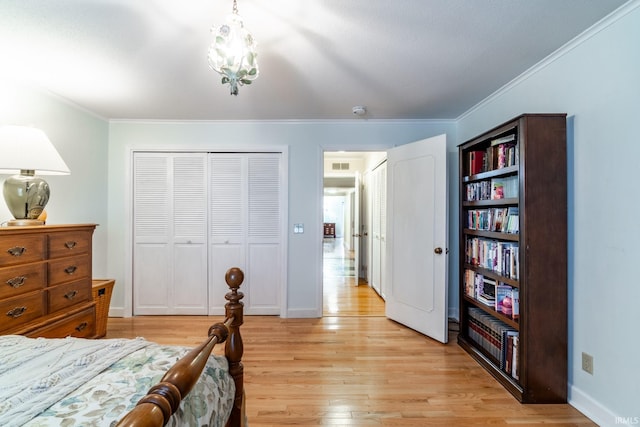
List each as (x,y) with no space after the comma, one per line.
(71,269)
(16,312)
(71,295)
(70,244)
(17,250)
(81,326)
(16,282)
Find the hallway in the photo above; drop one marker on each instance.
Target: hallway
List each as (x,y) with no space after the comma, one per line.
(341,296)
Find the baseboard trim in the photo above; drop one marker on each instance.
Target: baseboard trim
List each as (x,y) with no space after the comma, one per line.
(593,409)
(116,312)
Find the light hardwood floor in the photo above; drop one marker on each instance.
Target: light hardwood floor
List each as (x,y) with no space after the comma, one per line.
(355,368)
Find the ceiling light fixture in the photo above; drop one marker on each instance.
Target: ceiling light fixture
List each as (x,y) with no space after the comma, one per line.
(233,52)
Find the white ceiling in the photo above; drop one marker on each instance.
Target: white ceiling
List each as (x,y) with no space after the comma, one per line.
(402,59)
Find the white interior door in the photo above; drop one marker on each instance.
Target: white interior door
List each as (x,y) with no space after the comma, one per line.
(375,261)
(356,229)
(382,261)
(416,237)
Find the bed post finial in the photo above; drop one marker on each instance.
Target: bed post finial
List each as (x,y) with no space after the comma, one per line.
(234,347)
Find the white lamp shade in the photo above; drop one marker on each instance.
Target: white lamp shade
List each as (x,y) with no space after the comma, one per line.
(26,148)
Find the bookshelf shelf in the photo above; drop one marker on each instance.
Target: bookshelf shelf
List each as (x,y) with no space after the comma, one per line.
(493,312)
(492,275)
(493,234)
(508,382)
(510,170)
(497,202)
(513,285)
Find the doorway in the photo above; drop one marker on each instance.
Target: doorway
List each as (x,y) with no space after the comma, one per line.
(346,288)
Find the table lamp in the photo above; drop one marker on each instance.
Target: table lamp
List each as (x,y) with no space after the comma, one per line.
(26,151)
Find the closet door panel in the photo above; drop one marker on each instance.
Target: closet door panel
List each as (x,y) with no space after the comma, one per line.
(264,275)
(152,284)
(152,250)
(189,284)
(227,198)
(189,190)
(227,235)
(189,199)
(263,233)
(264,198)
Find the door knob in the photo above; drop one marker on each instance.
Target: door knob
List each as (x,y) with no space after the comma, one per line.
(438,250)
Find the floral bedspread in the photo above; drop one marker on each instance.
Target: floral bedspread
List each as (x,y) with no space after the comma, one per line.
(105,398)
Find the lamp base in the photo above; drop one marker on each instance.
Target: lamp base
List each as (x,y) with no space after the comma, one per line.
(26,195)
(24,222)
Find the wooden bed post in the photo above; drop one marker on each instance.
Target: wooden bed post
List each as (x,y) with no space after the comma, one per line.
(234,347)
(163,399)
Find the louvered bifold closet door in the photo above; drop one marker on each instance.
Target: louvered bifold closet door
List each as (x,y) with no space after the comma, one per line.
(170,223)
(227,233)
(190,282)
(263,238)
(245,214)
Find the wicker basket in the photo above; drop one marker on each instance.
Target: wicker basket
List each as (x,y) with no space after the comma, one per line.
(102,289)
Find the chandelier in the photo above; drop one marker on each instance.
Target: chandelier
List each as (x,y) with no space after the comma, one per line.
(233,52)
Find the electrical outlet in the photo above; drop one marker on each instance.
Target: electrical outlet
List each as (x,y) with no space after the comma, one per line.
(587,363)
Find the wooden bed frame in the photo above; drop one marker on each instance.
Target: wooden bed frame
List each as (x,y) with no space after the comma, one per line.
(163,399)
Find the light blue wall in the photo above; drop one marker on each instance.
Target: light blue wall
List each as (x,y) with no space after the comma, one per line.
(596,81)
(81,139)
(305,142)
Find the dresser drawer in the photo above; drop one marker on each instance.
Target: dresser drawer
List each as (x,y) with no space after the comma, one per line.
(69,243)
(80,325)
(22,279)
(21,249)
(69,294)
(68,269)
(20,310)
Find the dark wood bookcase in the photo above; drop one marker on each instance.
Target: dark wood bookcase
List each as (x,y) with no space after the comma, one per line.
(519,167)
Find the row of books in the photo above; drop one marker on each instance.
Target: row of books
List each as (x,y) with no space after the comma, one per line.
(480,190)
(502,152)
(500,257)
(493,189)
(479,288)
(504,220)
(501,297)
(499,340)
(506,154)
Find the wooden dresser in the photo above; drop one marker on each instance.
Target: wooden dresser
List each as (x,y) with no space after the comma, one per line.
(45,281)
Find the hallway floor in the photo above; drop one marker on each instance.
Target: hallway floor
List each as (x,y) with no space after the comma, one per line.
(343,293)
